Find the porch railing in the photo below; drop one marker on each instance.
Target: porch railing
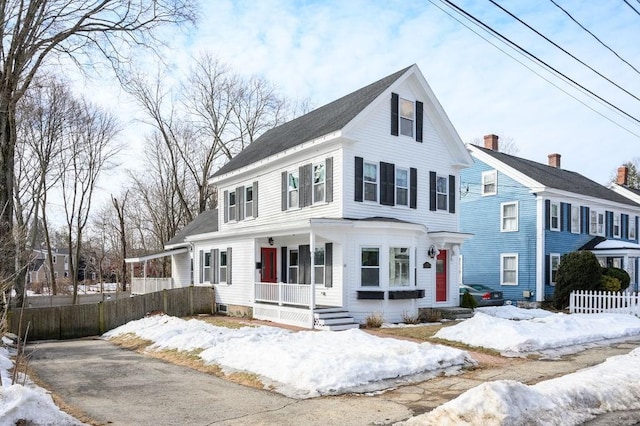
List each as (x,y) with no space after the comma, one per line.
(150,285)
(283,294)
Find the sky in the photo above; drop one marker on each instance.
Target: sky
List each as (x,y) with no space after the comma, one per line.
(322,50)
(364,363)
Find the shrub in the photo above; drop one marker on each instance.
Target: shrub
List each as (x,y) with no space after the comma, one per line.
(410,318)
(619,274)
(578,270)
(468,301)
(374,320)
(430,315)
(608,283)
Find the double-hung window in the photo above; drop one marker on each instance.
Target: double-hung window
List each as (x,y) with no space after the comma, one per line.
(370,267)
(554,217)
(509,269)
(616,225)
(632,227)
(554,262)
(223,267)
(490,182)
(398,266)
(248,201)
(370,182)
(232,205)
(293,191)
(509,217)
(206,267)
(319,179)
(442,193)
(293,266)
(407,115)
(318,265)
(402,187)
(596,223)
(575,219)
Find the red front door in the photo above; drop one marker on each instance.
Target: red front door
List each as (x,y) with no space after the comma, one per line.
(268,272)
(441,276)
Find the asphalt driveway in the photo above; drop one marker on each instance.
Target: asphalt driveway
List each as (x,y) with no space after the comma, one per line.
(115,386)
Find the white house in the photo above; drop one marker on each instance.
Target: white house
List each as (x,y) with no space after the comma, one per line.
(345,212)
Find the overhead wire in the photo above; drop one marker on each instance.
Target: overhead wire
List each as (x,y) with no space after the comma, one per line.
(631,6)
(594,36)
(537,59)
(563,49)
(535,72)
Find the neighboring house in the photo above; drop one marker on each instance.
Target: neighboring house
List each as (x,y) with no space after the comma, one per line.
(525,215)
(38,271)
(348,211)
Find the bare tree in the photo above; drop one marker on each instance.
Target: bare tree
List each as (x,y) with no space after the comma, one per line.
(120,211)
(36,32)
(633,178)
(91,150)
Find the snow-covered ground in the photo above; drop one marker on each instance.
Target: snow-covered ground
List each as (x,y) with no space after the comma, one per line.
(296,364)
(31,403)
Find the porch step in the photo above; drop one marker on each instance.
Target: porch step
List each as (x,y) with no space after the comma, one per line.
(334,319)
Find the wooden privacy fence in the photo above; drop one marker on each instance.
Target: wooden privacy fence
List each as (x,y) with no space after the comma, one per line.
(594,302)
(75,321)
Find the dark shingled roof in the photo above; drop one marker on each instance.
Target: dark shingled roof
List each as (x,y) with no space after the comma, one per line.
(317,123)
(556,178)
(207,221)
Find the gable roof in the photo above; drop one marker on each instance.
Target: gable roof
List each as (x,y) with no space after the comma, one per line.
(205,222)
(319,122)
(557,178)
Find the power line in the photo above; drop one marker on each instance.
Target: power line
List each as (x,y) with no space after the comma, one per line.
(594,36)
(531,55)
(563,49)
(535,72)
(631,6)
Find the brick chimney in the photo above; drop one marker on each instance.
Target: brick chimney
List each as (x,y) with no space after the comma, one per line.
(554,160)
(491,142)
(623,176)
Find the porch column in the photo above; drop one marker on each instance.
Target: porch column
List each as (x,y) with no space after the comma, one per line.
(312,298)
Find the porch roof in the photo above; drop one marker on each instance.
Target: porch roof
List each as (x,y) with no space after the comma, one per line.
(605,246)
(156,255)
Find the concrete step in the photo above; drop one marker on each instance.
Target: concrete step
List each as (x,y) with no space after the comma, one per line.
(340,327)
(334,321)
(326,315)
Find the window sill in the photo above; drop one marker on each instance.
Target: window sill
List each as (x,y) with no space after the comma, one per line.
(509,284)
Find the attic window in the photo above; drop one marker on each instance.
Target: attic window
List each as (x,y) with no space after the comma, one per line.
(407,115)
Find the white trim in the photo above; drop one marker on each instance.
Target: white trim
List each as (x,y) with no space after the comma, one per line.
(558,216)
(517,270)
(540,242)
(502,217)
(485,174)
(156,255)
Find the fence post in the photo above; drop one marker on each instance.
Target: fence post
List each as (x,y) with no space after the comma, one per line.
(101,325)
(191,300)
(164,301)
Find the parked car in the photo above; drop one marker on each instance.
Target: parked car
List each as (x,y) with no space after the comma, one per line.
(483,294)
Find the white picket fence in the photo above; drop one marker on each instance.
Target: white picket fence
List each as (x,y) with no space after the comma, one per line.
(595,302)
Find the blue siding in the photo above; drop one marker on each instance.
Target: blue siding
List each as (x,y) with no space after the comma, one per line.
(480,215)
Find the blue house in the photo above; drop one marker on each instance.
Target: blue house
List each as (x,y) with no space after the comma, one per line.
(525,215)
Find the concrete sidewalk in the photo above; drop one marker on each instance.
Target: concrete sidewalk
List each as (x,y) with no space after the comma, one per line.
(121,387)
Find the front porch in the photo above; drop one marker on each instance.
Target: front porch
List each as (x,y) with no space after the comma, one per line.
(292,304)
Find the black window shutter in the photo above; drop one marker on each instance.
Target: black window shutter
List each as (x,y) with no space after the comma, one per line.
(569,218)
(306,185)
(387,184)
(284,188)
(226,207)
(283,264)
(215,263)
(359,179)
(452,194)
(432,191)
(328,265)
(586,220)
(547,269)
(608,224)
(624,227)
(255,199)
(547,214)
(229,269)
(563,206)
(413,188)
(419,125)
(329,179)
(304,264)
(201,266)
(395,100)
(240,203)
